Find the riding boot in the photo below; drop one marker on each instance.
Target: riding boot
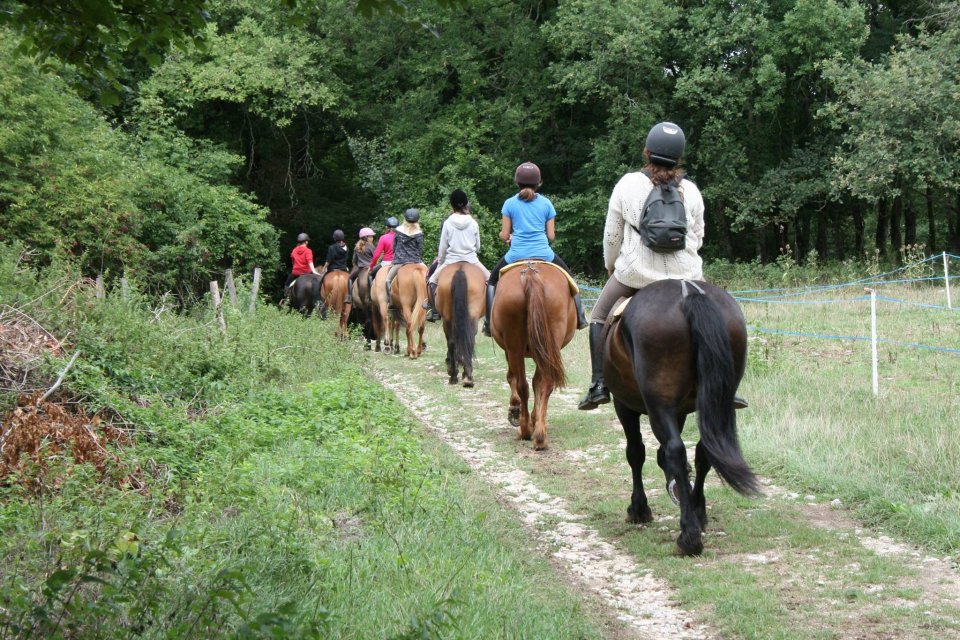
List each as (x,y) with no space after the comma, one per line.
(598,393)
(491,289)
(431,304)
(389,297)
(581,318)
(349,298)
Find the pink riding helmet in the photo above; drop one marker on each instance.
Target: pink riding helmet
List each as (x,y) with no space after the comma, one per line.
(366,231)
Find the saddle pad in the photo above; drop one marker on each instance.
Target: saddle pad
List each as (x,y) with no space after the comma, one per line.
(574,289)
(619,308)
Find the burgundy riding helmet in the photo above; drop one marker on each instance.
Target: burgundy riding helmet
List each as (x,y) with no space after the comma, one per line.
(527,174)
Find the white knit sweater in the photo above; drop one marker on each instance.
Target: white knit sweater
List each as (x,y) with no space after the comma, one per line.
(633,263)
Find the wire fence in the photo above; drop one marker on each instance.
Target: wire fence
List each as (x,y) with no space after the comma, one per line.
(923,286)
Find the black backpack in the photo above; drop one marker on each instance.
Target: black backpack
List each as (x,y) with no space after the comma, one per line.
(663,223)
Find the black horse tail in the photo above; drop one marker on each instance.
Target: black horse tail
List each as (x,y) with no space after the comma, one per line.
(716,386)
(464,332)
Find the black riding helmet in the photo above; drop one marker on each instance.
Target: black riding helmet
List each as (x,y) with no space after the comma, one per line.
(392,222)
(302,237)
(411,215)
(665,143)
(338,236)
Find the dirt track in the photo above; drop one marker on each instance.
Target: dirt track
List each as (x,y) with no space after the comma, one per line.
(626,590)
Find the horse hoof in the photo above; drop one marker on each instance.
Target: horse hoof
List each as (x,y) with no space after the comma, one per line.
(468,383)
(639,516)
(522,436)
(690,544)
(513,416)
(454,380)
(366,347)
(539,446)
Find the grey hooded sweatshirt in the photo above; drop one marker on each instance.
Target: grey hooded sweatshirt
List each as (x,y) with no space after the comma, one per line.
(459,242)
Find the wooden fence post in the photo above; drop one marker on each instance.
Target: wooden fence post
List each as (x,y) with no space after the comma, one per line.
(100,293)
(218,306)
(255,289)
(231,287)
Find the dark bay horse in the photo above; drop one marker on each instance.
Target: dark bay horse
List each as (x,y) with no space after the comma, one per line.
(304,294)
(333,292)
(408,295)
(460,299)
(379,313)
(680,347)
(362,305)
(533,316)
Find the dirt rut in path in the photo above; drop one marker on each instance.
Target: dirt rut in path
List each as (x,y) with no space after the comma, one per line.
(644,604)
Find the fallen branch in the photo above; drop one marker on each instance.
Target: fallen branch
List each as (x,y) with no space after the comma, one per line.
(60,379)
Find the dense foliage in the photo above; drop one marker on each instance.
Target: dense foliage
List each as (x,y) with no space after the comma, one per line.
(828,127)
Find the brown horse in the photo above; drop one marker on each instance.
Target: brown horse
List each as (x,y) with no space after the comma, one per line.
(362,305)
(333,292)
(461,300)
(408,295)
(680,347)
(533,316)
(379,313)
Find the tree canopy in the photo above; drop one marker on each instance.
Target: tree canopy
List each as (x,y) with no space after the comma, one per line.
(812,126)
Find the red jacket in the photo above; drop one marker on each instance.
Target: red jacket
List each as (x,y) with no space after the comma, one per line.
(384,248)
(301,257)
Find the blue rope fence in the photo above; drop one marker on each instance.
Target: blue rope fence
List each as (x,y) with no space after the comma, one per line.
(782,296)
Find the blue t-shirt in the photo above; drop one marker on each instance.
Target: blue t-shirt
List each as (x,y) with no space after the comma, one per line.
(529,221)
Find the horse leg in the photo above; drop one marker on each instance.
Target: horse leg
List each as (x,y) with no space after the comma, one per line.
(698,499)
(519,393)
(639,509)
(664,423)
(451,351)
(542,389)
(468,360)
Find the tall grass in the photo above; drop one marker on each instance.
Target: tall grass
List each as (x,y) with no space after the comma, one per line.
(281,493)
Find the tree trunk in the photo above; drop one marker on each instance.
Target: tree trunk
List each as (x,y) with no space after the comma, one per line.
(910,225)
(859,231)
(931,223)
(955,233)
(823,237)
(723,232)
(883,223)
(896,216)
(803,235)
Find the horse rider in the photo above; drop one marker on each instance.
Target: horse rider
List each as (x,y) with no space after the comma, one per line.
(383,250)
(336,255)
(629,262)
(362,255)
(528,226)
(459,242)
(302,260)
(407,247)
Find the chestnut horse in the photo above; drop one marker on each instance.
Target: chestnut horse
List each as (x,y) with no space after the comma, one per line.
(533,316)
(461,301)
(333,292)
(678,347)
(408,295)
